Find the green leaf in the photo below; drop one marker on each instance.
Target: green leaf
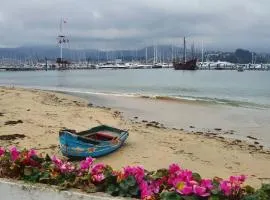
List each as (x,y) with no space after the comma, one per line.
(160,173)
(249,189)
(216,182)
(65,185)
(131,181)
(190,198)
(31,174)
(252,197)
(134,191)
(170,196)
(90,188)
(215,191)
(266,188)
(111,180)
(37,159)
(124,186)
(27,171)
(214,197)
(122,193)
(47,158)
(197,177)
(128,195)
(111,189)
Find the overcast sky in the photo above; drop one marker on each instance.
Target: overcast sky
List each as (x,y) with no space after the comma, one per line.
(130,24)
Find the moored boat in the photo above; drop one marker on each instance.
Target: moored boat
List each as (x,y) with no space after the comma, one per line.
(240,69)
(95,142)
(186,64)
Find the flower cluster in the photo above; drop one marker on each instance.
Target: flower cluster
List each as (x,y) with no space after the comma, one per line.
(233,185)
(63,166)
(132,181)
(184,183)
(138,173)
(86,164)
(2,151)
(97,172)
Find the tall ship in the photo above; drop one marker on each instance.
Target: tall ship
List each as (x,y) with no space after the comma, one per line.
(190,64)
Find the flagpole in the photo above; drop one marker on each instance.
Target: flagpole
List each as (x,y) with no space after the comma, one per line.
(61,42)
(61,39)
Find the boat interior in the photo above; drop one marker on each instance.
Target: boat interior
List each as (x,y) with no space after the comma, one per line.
(102,135)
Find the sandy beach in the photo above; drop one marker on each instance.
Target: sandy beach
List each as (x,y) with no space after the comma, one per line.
(32,119)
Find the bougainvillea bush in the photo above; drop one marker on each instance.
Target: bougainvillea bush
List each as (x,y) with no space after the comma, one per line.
(174,183)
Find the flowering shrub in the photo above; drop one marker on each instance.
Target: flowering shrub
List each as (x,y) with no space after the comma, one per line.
(173,183)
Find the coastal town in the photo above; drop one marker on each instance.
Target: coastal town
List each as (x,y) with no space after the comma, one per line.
(145,99)
(205,62)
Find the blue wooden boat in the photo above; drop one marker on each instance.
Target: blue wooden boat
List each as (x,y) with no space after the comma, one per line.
(95,142)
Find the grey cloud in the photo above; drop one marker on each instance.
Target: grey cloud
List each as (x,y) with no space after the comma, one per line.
(130,24)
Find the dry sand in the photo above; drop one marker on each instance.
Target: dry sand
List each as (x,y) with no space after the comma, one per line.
(43,114)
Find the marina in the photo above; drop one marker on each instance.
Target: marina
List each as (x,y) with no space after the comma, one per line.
(150,100)
(135,65)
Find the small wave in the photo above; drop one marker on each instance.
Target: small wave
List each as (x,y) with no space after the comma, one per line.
(234,103)
(168,98)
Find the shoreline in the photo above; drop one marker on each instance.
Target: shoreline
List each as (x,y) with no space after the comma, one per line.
(152,144)
(179,115)
(160,97)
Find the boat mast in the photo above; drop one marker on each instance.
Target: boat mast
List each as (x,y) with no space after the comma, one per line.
(185,50)
(202,51)
(62,38)
(154,60)
(193,50)
(146,55)
(172,52)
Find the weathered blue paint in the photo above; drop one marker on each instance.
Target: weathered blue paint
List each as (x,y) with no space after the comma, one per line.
(79,146)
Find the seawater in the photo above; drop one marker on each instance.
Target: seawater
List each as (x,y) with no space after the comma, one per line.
(249,88)
(212,99)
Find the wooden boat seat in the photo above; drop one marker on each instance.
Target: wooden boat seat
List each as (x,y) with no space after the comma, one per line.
(101,136)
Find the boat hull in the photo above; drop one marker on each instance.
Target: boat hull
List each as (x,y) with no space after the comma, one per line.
(189,65)
(78,147)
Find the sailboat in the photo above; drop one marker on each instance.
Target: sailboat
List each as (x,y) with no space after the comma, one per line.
(185,65)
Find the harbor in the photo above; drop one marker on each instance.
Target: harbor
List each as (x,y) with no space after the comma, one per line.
(150,100)
(119,64)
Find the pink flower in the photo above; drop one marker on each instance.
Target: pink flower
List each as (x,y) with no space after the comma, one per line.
(136,171)
(98,177)
(97,172)
(186,175)
(145,190)
(58,162)
(14,153)
(200,191)
(207,183)
(237,180)
(242,178)
(31,153)
(98,168)
(155,185)
(183,188)
(175,172)
(86,164)
(187,190)
(173,168)
(193,183)
(226,187)
(67,167)
(2,151)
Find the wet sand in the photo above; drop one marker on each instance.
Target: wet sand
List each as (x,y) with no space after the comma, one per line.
(201,116)
(37,116)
